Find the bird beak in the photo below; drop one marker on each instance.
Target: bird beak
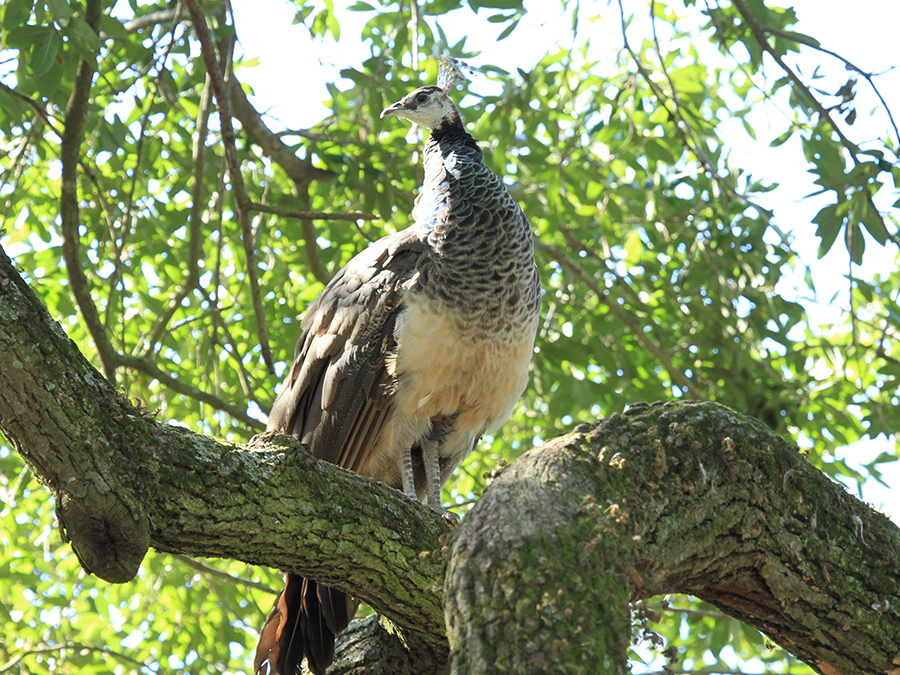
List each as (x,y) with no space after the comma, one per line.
(393,110)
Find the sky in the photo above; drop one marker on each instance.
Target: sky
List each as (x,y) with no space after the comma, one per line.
(289,83)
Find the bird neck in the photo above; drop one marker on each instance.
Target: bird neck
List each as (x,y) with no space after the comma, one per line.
(451,136)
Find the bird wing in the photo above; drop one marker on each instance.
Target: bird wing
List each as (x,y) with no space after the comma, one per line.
(337,396)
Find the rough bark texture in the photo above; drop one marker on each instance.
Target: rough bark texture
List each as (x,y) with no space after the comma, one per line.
(669,498)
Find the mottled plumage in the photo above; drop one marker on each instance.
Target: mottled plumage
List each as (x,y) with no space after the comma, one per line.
(416,348)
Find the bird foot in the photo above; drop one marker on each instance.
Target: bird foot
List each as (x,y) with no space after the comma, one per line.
(448,516)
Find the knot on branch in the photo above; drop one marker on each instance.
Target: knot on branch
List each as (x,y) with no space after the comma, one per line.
(108,537)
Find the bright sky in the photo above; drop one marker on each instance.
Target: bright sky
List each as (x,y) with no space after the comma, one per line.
(289,83)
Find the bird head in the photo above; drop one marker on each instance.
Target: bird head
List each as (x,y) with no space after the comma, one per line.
(429,107)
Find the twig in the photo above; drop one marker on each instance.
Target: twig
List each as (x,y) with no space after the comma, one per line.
(804,40)
(116,277)
(149,368)
(71,647)
(151,20)
(241,199)
(301,171)
(212,571)
(309,135)
(311,215)
(195,219)
(34,105)
(682,125)
(760,32)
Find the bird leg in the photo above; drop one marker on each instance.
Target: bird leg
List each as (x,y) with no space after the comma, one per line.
(406,474)
(431,460)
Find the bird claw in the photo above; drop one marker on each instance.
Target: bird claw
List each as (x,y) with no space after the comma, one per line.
(447,516)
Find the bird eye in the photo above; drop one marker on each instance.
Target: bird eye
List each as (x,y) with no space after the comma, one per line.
(422,98)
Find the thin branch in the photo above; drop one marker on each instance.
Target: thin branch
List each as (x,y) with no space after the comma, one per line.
(34,105)
(673,669)
(71,647)
(195,220)
(149,368)
(212,571)
(681,123)
(759,33)
(70,155)
(241,200)
(311,215)
(309,135)
(311,247)
(809,42)
(115,279)
(151,19)
(300,171)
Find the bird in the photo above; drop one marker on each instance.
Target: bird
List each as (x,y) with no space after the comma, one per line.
(414,350)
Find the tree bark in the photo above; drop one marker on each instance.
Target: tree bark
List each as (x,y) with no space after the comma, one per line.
(669,498)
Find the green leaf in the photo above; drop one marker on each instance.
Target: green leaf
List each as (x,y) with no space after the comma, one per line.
(16,13)
(871,219)
(829,223)
(114,28)
(26,36)
(495,4)
(83,37)
(508,30)
(780,140)
(60,10)
(43,54)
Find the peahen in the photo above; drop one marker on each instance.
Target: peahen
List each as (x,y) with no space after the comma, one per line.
(416,348)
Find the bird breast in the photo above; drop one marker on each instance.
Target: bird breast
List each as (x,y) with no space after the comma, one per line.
(440,371)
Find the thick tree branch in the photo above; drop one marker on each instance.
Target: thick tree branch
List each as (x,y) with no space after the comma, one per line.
(669,498)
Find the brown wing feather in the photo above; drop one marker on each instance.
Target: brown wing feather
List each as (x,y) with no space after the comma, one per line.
(337,397)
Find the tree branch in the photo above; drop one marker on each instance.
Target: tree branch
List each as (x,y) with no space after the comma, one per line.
(195,220)
(150,368)
(813,44)
(124,482)
(241,200)
(669,498)
(622,315)
(300,171)
(312,215)
(70,156)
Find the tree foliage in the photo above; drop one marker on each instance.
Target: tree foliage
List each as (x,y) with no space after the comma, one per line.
(185,285)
